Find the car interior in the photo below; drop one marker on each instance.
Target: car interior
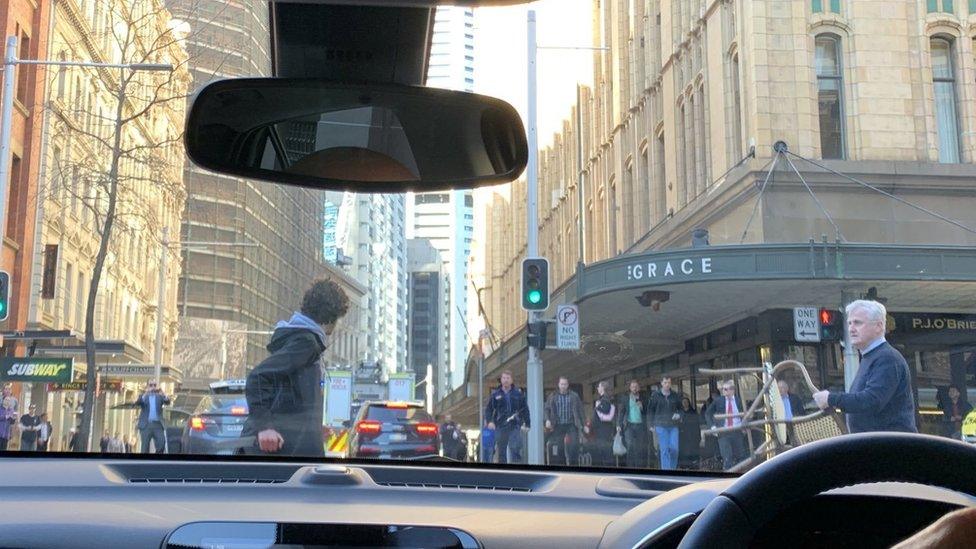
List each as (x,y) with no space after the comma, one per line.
(340,62)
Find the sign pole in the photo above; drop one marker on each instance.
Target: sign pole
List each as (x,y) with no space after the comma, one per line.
(533,366)
(851,362)
(160,304)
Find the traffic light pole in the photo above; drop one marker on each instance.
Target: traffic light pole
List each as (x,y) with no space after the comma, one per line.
(851,361)
(6,112)
(533,368)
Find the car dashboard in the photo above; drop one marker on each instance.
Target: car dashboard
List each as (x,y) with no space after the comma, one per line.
(104,502)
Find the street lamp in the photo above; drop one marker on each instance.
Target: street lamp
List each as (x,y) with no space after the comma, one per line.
(10,62)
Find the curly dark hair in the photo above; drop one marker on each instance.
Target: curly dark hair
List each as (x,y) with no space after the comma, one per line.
(325,302)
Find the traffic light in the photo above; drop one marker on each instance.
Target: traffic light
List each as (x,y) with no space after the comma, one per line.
(536,334)
(535,284)
(4,295)
(831,325)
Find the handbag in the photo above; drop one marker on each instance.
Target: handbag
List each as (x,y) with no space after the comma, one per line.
(618,445)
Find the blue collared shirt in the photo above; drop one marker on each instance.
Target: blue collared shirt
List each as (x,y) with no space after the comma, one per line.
(874,345)
(787,406)
(152,408)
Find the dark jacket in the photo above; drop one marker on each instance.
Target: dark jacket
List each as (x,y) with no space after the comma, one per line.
(451,436)
(507,412)
(718,407)
(689,434)
(284,392)
(796,405)
(623,410)
(144,401)
(28,428)
(880,398)
(662,408)
(75,443)
(604,430)
(952,428)
(575,407)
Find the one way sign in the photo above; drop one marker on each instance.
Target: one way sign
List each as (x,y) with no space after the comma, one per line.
(806,325)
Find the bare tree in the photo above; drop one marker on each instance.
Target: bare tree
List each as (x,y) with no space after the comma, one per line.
(122,168)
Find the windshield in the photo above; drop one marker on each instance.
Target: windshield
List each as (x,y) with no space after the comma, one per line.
(745,227)
(384,414)
(234,405)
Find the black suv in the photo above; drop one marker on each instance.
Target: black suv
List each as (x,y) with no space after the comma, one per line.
(391,430)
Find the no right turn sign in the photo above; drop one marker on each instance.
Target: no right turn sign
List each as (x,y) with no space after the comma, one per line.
(567,327)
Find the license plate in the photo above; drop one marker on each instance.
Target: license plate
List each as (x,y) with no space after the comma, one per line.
(234,428)
(395,437)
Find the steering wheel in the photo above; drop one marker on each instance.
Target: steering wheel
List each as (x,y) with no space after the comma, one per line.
(734,517)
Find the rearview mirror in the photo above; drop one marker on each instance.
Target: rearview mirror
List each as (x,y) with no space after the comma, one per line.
(366,138)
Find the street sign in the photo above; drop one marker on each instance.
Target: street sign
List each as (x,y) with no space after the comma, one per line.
(401,387)
(338,398)
(107,385)
(128,370)
(36,370)
(806,324)
(567,327)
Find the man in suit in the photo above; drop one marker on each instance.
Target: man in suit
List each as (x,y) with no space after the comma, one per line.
(791,404)
(732,445)
(880,398)
(150,423)
(632,423)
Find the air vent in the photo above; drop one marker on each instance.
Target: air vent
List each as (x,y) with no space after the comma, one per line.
(460,479)
(484,487)
(205,481)
(199,473)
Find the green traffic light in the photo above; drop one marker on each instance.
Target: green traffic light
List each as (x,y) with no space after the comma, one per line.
(535,296)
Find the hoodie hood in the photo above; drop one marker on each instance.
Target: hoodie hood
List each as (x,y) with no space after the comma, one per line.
(298,321)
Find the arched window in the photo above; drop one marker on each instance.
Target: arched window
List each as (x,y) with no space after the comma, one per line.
(944,82)
(830,96)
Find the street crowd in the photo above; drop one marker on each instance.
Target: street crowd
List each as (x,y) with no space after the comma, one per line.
(660,428)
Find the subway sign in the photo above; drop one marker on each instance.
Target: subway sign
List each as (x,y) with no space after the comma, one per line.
(37,370)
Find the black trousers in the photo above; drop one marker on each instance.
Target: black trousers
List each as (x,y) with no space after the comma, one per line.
(732,446)
(156,433)
(509,439)
(569,451)
(635,439)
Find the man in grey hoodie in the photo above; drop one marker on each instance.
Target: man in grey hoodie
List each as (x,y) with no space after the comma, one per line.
(284,392)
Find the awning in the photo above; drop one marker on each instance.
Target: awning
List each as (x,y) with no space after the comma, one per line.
(702,289)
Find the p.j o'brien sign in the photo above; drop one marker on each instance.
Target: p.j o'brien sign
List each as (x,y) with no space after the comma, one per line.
(668,269)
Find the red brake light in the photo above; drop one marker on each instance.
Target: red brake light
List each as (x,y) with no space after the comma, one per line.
(428,430)
(368,428)
(238,410)
(403,405)
(196,423)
